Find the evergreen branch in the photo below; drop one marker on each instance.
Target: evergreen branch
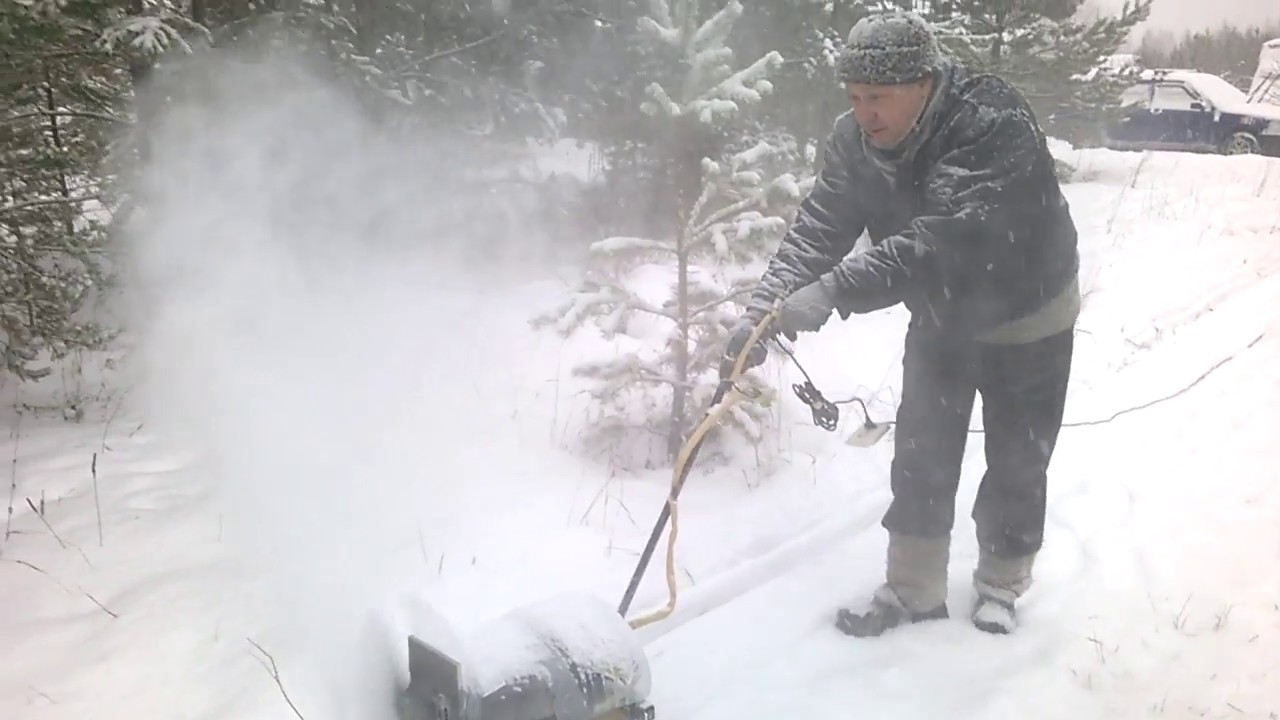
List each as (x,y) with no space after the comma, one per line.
(622,370)
(654,377)
(64,113)
(15,207)
(461,48)
(690,229)
(727,211)
(646,308)
(736,293)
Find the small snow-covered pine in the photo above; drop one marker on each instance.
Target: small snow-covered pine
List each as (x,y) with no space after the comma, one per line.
(665,337)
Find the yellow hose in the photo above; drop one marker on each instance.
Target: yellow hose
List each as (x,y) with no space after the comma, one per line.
(685,456)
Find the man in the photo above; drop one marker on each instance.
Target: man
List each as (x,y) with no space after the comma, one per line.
(948,173)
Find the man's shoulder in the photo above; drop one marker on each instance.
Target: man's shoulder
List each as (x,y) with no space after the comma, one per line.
(983,87)
(980,103)
(986,96)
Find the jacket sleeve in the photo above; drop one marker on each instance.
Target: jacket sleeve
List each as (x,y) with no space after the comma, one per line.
(826,226)
(967,195)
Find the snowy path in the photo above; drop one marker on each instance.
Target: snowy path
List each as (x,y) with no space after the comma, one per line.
(1158,592)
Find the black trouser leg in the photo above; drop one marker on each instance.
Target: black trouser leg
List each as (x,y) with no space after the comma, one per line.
(1024,391)
(938,389)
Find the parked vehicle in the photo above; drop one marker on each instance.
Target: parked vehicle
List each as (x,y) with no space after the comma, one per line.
(1189,111)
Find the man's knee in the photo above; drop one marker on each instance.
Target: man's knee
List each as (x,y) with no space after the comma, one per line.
(1009,512)
(924,492)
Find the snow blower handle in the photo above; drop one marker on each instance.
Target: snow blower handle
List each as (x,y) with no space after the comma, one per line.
(726,395)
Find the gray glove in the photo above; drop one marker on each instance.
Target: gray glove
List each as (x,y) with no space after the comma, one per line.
(805,310)
(738,340)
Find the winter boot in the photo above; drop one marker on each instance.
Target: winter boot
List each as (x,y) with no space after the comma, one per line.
(999,583)
(915,589)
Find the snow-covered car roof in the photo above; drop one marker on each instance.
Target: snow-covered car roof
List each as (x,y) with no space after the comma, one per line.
(1224,96)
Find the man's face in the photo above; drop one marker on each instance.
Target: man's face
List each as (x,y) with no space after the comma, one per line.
(886,113)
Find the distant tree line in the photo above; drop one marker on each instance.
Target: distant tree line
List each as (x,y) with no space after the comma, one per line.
(1228,51)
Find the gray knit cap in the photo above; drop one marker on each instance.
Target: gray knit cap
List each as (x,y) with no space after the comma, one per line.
(889,48)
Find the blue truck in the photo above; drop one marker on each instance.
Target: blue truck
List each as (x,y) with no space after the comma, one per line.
(1188,111)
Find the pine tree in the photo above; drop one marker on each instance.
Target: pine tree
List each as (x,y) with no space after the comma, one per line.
(667,301)
(1039,47)
(66,101)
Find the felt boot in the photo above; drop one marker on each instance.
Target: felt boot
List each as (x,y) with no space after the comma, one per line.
(915,588)
(999,583)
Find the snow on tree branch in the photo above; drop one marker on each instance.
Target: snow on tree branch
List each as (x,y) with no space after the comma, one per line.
(710,91)
(610,304)
(613,246)
(747,86)
(151,35)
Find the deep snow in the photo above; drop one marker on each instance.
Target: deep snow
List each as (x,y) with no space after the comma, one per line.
(321,453)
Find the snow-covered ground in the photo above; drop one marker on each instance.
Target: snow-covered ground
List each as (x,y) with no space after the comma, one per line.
(321,450)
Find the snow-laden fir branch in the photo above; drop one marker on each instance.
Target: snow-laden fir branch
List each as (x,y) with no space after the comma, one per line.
(614,302)
(748,85)
(10,119)
(626,368)
(15,207)
(152,34)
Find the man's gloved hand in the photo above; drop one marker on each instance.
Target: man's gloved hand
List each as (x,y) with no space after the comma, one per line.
(737,340)
(805,310)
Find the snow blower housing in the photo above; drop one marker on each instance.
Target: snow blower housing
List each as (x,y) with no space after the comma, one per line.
(567,658)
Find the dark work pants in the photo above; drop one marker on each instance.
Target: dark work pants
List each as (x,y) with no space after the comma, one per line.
(1023,390)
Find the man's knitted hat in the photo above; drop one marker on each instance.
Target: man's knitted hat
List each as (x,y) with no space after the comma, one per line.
(889,49)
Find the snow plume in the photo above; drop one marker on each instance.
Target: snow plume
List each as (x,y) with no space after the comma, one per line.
(304,323)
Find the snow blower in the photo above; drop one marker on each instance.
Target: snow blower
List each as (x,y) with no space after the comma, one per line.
(570,657)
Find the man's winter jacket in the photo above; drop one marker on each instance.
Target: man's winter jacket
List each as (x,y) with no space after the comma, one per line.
(968,225)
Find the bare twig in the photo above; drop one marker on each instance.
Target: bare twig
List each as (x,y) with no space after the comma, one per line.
(1102,655)
(13,478)
(275,675)
(24,563)
(46,523)
(460,48)
(1165,398)
(36,690)
(95,602)
(66,589)
(97,506)
(1180,620)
